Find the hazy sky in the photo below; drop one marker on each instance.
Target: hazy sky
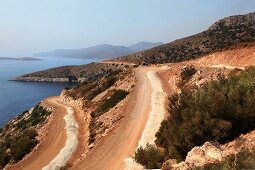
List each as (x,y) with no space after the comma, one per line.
(29,26)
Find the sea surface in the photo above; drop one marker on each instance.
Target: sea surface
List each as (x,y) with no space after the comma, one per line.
(16,97)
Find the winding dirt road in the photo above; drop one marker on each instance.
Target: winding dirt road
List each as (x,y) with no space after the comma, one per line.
(109,152)
(122,142)
(55,140)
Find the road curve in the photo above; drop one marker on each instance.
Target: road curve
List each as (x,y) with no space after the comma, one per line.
(111,151)
(51,146)
(121,143)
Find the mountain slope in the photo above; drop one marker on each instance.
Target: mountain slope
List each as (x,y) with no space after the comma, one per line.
(103,51)
(221,35)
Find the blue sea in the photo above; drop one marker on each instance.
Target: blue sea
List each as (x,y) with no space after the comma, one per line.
(16,97)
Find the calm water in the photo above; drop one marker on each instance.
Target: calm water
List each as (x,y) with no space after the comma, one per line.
(15,97)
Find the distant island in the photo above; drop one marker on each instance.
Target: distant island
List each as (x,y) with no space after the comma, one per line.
(20,59)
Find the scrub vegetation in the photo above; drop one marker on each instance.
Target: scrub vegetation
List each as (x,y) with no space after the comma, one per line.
(219,111)
(18,137)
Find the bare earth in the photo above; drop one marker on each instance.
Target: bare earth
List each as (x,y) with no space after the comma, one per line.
(50,147)
(121,143)
(111,150)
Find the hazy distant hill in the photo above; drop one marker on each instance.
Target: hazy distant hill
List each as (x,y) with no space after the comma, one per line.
(103,51)
(140,46)
(21,59)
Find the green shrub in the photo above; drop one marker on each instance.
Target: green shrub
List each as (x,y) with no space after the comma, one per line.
(39,115)
(109,103)
(116,97)
(188,72)
(219,111)
(18,146)
(4,157)
(23,144)
(150,156)
(90,89)
(19,139)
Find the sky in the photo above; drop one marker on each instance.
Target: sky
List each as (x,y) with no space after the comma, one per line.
(30,26)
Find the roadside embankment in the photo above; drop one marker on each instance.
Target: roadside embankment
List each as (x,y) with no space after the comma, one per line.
(83,119)
(65,154)
(157,113)
(156,116)
(54,136)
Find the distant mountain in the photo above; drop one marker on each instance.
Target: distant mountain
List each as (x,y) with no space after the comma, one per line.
(103,51)
(21,59)
(140,46)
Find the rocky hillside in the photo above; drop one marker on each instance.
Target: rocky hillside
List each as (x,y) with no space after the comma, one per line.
(72,73)
(20,135)
(101,100)
(221,35)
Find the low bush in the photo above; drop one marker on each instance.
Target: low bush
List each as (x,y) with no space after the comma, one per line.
(104,107)
(115,98)
(188,72)
(150,157)
(219,111)
(23,144)
(18,139)
(15,148)
(90,89)
(4,157)
(37,117)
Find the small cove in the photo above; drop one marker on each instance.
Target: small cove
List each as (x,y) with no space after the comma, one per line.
(16,97)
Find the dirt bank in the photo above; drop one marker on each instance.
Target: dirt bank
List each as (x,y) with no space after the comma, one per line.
(121,142)
(54,140)
(66,152)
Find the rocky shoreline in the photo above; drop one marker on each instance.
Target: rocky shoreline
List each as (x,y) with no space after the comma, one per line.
(47,79)
(39,79)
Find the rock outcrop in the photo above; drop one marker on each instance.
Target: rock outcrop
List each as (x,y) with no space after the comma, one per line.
(212,153)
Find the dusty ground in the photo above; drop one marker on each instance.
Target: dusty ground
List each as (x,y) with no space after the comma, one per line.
(110,152)
(67,151)
(55,140)
(82,119)
(209,67)
(236,57)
